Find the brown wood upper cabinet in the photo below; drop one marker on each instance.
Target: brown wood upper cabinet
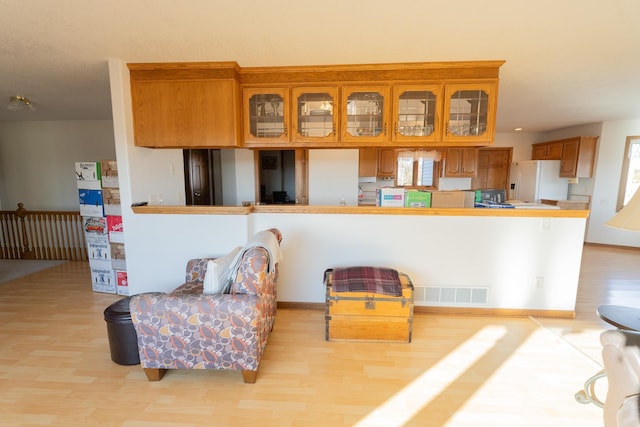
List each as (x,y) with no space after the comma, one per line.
(460,162)
(315,114)
(470,113)
(387,163)
(178,107)
(365,114)
(212,105)
(367,162)
(576,155)
(417,113)
(266,114)
(547,151)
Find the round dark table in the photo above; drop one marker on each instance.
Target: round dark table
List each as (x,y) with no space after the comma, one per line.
(627,318)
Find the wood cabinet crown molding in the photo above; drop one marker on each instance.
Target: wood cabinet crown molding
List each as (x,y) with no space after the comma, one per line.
(306,74)
(371,72)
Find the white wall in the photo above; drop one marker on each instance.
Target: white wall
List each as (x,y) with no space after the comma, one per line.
(520,141)
(37,160)
(333,176)
(238,176)
(607,182)
(503,255)
(603,186)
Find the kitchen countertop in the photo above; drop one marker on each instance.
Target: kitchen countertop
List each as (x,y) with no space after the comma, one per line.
(358,210)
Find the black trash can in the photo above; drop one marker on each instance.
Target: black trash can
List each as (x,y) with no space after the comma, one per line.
(123,341)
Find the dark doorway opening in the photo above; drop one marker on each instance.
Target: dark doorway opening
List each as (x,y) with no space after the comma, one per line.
(202,177)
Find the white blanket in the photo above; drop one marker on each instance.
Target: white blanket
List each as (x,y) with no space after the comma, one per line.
(264,239)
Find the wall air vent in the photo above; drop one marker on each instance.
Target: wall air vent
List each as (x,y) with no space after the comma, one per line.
(451,295)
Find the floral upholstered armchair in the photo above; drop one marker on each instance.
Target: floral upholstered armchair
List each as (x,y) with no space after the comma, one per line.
(188,329)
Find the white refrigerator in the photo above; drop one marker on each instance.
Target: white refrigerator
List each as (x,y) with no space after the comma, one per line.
(532,180)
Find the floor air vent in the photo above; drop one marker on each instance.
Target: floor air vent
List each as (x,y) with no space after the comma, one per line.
(452,295)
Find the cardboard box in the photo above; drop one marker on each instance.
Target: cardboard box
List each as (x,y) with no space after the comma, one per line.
(121,282)
(417,199)
(116,229)
(102,277)
(453,199)
(111,200)
(109,174)
(88,171)
(99,249)
(95,228)
(90,202)
(88,184)
(118,257)
(391,197)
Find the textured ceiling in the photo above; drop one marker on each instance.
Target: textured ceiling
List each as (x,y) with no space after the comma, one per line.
(568,62)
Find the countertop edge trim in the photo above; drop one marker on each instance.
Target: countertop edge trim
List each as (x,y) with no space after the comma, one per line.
(360,210)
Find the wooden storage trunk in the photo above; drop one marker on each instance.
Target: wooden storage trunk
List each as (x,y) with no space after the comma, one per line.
(369,316)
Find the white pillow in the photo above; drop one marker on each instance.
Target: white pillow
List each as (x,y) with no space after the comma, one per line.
(217,276)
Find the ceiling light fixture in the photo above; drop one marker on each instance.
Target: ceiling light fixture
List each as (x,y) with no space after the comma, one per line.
(17,103)
(518,129)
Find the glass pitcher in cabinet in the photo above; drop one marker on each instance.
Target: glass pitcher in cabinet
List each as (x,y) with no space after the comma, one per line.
(470,111)
(314,115)
(416,113)
(365,113)
(267,111)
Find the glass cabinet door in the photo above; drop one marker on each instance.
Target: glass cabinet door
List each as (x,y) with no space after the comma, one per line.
(416,112)
(470,111)
(314,116)
(365,113)
(267,112)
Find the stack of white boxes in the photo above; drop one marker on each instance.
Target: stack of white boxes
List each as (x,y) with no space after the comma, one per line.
(100,208)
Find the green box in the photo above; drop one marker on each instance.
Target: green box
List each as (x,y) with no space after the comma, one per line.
(417,199)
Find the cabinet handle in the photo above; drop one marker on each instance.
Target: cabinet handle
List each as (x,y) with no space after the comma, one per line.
(385,129)
(446,128)
(395,128)
(285,131)
(335,129)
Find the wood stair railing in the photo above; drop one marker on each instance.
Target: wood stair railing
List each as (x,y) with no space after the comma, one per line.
(44,235)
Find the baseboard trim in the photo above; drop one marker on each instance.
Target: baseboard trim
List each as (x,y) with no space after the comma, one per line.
(606,245)
(452,311)
(301,305)
(494,312)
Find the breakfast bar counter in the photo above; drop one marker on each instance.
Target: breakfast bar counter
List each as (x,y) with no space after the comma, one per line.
(461,260)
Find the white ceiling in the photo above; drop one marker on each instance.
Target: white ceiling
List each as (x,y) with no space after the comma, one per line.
(568,62)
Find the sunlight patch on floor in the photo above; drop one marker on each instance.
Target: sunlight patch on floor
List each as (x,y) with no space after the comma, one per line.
(398,410)
(552,371)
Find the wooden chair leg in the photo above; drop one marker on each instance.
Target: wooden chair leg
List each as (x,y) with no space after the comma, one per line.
(249,377)
(154,374)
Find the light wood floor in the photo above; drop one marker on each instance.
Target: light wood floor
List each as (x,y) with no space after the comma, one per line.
(55,368)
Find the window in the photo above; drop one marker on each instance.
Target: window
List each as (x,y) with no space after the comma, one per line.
(417,168)
(630,177)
